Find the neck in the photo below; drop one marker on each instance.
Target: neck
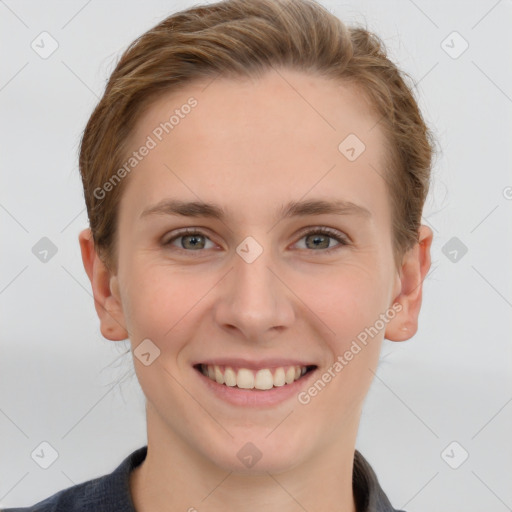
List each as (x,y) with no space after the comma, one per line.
(175,477)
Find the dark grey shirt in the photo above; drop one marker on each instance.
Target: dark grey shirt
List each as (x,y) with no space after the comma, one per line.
(111,493)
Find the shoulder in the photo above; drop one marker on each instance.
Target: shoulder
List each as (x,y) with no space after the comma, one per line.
(77,497)
(368,493)
(107,492)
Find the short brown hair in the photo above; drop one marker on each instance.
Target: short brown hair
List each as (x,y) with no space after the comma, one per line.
(245,38)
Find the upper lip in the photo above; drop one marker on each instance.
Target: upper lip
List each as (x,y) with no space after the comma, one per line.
(252,364)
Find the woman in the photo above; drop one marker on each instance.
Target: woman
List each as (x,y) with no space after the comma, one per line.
(254,176)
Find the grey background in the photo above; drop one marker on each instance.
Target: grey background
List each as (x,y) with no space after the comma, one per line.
(63,383)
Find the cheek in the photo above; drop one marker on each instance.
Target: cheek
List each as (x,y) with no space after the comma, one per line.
(347,304)
(160,308)
(162,301)
(347,299)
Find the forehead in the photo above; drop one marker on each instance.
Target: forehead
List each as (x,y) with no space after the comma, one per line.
(278,135)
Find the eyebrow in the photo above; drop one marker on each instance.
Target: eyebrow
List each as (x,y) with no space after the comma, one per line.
(292,209)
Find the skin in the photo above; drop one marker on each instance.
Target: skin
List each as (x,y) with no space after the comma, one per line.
(251,146)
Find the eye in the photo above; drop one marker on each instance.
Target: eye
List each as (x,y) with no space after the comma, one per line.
(318,238)
(193,240)
(189,240)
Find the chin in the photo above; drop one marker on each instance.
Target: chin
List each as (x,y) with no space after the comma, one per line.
(256,455)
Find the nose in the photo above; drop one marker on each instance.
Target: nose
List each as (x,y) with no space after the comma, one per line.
(253,299)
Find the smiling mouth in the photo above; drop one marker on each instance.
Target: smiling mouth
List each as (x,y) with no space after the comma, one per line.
(262,379)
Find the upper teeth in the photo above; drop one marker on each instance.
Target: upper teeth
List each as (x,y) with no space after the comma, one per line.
(248,379)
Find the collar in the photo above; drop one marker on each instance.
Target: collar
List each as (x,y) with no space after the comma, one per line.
(114,488)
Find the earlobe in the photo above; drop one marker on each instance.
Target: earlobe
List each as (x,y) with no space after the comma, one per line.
(108,305)
(415,266)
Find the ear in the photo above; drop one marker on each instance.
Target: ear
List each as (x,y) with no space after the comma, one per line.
(105,290)
(414,268)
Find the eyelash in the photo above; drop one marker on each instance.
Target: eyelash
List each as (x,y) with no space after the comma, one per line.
(332,233)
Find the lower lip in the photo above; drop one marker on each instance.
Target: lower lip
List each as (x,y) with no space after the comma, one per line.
(256,397)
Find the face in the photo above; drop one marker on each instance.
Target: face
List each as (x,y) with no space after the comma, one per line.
(287,264)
